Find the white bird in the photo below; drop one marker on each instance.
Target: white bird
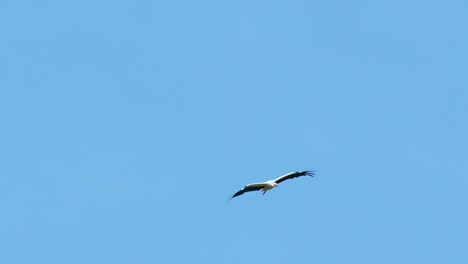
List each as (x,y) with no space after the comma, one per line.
(268,185)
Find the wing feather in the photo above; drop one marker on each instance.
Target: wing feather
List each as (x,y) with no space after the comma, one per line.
(249,188)
(296,174)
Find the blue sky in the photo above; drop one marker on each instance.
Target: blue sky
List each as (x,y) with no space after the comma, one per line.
(127,124)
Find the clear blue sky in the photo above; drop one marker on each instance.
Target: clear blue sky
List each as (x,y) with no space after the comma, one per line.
(125,125)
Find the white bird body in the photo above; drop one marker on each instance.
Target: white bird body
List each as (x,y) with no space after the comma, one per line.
(268,185)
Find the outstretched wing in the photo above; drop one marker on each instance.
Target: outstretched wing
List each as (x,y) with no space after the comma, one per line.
(293,175)
(249,188)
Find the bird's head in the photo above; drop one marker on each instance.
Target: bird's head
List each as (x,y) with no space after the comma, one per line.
(275,185)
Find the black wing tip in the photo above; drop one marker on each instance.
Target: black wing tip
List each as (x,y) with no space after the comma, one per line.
(246,189)
(231,197)
(236,194)
(310,173)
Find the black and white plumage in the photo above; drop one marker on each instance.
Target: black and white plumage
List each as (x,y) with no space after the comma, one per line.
(268,185)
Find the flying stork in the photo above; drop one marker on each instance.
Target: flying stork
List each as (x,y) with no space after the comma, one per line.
(268,185)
